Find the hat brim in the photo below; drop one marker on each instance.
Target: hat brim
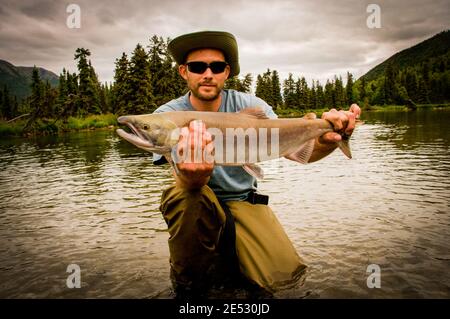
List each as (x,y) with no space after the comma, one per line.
(223,41)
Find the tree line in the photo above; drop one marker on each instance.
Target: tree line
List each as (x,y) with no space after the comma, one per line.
(425,83)
(149,78)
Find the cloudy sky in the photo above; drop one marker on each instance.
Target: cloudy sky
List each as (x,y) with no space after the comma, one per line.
(315,39)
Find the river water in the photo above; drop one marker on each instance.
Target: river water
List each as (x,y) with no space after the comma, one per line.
(92,200)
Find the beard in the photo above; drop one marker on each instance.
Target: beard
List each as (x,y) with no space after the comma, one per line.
(206,93)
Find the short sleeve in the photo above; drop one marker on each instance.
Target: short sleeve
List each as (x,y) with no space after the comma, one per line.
(266,107)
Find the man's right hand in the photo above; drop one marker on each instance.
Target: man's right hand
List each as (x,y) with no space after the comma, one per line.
(195,156)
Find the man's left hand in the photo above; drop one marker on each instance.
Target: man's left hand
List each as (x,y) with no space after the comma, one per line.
(343,123)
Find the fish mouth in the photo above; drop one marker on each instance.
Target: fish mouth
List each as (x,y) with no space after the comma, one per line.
(135,137)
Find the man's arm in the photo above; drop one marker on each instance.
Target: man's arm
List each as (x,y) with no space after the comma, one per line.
(343,122)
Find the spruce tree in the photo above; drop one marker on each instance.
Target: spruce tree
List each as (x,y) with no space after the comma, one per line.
(276,98)
(329,98)
(349,89)
(267,87)
(72,101)
(231,83)
(289,92)
(362,90)
(95,87)
(339,94)
(302,93)
(141,97)
(246,83)
(313,96)
(259,87)
(49,100)
(158,71)
(37,93)
(320,96)
(389,84)
(121,91)
(62,94)
(104,98)
(88,87)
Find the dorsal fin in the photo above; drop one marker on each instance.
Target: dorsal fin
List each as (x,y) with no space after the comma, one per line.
(255,112)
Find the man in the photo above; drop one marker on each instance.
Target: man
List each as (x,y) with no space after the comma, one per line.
(217,222)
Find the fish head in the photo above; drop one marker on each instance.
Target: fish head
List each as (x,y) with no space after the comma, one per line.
(151,132)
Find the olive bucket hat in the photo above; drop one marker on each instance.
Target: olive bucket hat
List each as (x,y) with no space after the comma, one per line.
(223,41)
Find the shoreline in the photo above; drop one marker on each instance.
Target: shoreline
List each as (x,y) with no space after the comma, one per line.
(48,126)
(109,121)
(287,113)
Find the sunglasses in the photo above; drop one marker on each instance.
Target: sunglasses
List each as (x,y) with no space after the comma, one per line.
(200,67)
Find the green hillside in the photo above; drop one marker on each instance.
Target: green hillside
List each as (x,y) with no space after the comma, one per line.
(18,78)
(437,46)
(419,74)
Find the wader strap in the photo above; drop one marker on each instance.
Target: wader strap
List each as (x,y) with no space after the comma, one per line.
(227,244)
(255,198)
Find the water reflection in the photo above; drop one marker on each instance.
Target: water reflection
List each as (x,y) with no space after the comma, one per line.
(92,199)
(409,130)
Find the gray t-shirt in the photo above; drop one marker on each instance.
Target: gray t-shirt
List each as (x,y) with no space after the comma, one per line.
(227,182)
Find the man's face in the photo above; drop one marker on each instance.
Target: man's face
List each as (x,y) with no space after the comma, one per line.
(206,86)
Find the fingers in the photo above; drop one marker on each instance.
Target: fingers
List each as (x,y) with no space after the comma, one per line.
(329,138)
(195,144)
(342,121)
(209,149)
(354,108)
(350,123)
(196,164)
(336,118)
(182,143)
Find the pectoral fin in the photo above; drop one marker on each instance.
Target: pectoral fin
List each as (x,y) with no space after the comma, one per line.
(171,162)
(303,153)
(254,170)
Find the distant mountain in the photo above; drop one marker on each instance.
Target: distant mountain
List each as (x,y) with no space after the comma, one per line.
(437,46)
(18,78)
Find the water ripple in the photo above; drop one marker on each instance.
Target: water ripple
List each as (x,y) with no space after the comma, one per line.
(93,200)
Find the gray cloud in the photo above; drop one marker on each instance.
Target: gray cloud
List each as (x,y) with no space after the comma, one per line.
(315,39)
(44,9)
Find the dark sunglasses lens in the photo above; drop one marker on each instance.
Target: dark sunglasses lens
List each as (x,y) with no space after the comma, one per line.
(218,67)
(197,67)
(200,67)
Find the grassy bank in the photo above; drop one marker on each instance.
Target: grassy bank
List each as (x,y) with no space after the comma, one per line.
(290,112)
(50,126)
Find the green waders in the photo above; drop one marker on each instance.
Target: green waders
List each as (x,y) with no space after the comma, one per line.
(197,224)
